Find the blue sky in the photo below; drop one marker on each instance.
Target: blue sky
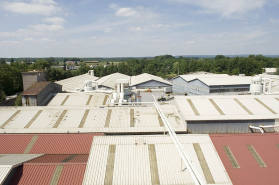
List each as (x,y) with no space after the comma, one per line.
(136,28)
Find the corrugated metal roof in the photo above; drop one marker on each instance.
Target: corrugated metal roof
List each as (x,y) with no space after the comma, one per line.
(47,143)
(45,174)
(132,160)
(110,80)
(36,88)
(219,79)
(71,84)
(64,158)
(4,172)
(145,77)
(76,120)
(250,107)
(72,174)
(16,159)
(33,174)
(250,172)
(78,99)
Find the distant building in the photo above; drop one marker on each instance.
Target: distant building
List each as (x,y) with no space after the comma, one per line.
(70,62)
(31,77)
(270,71)
(221,84)
(58,67)
(148,81)
(39,93)
(91,62)
(72,67)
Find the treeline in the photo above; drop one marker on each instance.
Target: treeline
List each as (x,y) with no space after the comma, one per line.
(169,66)
(164,66)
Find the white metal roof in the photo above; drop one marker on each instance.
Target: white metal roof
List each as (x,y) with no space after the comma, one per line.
(78,99)
(75,119)
(221,79)
(71,84)
(231,107)
(270,70)
(145,77)
(9,161)
(110,80)
(132,160)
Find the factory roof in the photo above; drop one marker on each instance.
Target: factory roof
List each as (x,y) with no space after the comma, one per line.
(79,99)
(34,173)
(152,160)
(249,158)
(74,83)
(110,80)
(36,88)
(10,161)
(221,79)
(145,77)
(46,143)
(73,119)
(245,107)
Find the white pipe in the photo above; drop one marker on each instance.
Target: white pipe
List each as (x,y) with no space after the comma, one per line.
(257,128)
(268,92)
(186,159)
(269,126)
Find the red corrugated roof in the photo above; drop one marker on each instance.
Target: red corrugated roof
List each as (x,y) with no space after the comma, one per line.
(59,158)
(28,174)
(49,159)
(63,144)
(47,143)
(250,172)
(72,174)
(33,174)
(14,144)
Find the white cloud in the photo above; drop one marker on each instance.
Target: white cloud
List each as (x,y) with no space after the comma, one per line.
(226,8)
(92,38)
(113,6)
(44,27)
(107,30)
(135,29)
(125,12)
(191,42)
(30,8)
(43,1)
(38,40)
(55,20)
(10,42)
(273,21)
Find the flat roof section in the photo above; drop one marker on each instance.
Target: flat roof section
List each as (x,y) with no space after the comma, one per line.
(46,143)
(249,158)
(85,119)
(78,99)
(36,88)
(246,107)
(152,160)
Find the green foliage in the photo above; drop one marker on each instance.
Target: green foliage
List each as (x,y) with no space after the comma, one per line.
(2,94)
(2,61)
(18,101)
(41,64)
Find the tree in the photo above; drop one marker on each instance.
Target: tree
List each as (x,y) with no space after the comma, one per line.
(2,94)
(2,61)
(18,101)
(12,60)
(218,57)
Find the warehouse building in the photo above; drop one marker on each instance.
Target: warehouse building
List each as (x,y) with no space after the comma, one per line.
(148,81)
(75,83)
(211,84)
(109,81)
(228,114)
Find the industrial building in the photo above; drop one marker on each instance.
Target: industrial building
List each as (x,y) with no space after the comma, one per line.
(39,93)
(211,84)
(148,81)
(228,114)
(29,78)
(95,136)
